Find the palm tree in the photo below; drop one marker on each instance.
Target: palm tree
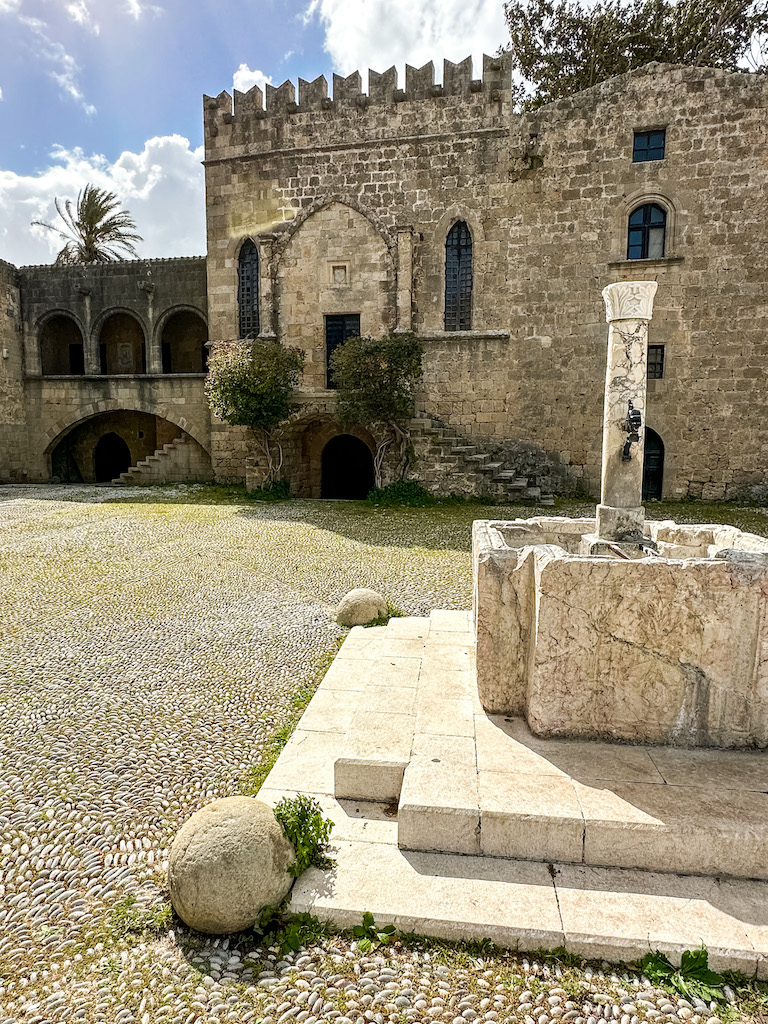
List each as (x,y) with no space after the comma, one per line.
(95,232)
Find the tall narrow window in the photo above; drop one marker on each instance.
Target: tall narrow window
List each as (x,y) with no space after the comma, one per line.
(248,290)
(647,228)
(458,278)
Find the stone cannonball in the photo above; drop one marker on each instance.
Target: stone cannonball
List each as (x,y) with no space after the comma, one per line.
(360,606)
(228,862)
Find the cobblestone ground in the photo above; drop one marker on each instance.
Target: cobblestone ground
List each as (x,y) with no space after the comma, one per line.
(150,646)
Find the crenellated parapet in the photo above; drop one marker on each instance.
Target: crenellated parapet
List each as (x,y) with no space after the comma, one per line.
(247,116)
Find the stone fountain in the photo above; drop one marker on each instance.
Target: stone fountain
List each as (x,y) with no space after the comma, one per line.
(624,628)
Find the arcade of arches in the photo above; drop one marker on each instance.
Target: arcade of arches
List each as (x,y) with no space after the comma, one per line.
(122,346)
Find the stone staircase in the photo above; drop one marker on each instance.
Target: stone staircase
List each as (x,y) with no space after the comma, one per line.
(176,462)
(454,463)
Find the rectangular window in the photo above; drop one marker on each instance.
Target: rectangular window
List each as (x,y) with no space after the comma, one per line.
(338,328)
(648,146)
(655,362)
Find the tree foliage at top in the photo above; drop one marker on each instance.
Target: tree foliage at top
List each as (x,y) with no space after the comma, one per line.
(249,384)
(563,46)
(376,381)
(96,231)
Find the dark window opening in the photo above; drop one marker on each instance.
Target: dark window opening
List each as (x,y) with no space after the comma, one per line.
(111,457)
(648,146)
(76,359)
(103,358)
(167,361)
(248,290)
(655,362)
(458,278)
(347,468)
(338,328)
(646,234)
(653,466)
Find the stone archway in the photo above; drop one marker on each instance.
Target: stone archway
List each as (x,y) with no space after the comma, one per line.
(122,345)
(111,457)
(61,347)
(183,343)
(347,468)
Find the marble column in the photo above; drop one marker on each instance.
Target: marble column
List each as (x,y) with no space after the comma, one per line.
(628,310)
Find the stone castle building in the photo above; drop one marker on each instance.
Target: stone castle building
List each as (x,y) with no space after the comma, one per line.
(436,209)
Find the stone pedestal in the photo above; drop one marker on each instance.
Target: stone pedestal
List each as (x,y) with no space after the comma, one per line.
(628,309)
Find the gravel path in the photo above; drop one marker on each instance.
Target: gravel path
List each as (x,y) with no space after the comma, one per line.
(148,651)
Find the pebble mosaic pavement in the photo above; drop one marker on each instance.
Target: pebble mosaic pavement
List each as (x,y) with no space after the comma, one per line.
(147,652)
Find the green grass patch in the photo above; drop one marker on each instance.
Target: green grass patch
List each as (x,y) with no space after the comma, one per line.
(392,612)
(255,777)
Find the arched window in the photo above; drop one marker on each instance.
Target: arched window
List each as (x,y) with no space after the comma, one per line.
(248,290)
(458,278)
(647,231)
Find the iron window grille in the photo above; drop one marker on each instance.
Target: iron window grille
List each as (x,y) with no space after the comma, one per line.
(248,290)
(655,362)
(648,146)
(646,234)
(458,278)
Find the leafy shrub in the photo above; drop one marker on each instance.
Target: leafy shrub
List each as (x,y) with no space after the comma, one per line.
(402,492)
(249,383)
(376,380)
(303,823)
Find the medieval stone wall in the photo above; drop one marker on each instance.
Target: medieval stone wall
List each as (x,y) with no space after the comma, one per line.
(13,435)
(546,196)
(118,313)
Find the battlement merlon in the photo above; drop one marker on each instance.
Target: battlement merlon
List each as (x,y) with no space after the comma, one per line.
(252,107)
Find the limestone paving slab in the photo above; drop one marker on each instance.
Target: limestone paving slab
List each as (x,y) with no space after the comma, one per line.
(417,865)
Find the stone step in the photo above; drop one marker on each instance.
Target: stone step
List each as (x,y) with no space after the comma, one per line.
(464,449)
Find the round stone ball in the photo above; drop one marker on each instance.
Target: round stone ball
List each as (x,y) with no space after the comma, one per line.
(228,862)
(359,607)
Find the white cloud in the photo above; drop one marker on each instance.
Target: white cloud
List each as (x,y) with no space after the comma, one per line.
(380,33)
(162,187)
(63,68)
(245,79)
(9,6)
(137,9)
(78,11)
(1,94)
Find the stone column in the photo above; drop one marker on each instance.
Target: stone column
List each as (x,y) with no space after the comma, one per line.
(267,325)
(628,310)
(404,278)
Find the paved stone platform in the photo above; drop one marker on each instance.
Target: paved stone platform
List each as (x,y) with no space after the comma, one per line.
(453,823)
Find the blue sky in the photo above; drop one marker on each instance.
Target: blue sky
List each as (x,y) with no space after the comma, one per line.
(110,91)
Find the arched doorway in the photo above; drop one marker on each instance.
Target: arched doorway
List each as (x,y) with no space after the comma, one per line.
(347,468)
(111,457)
(653,466)
(183,343)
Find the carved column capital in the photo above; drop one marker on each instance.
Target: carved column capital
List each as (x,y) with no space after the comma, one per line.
(629,300)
